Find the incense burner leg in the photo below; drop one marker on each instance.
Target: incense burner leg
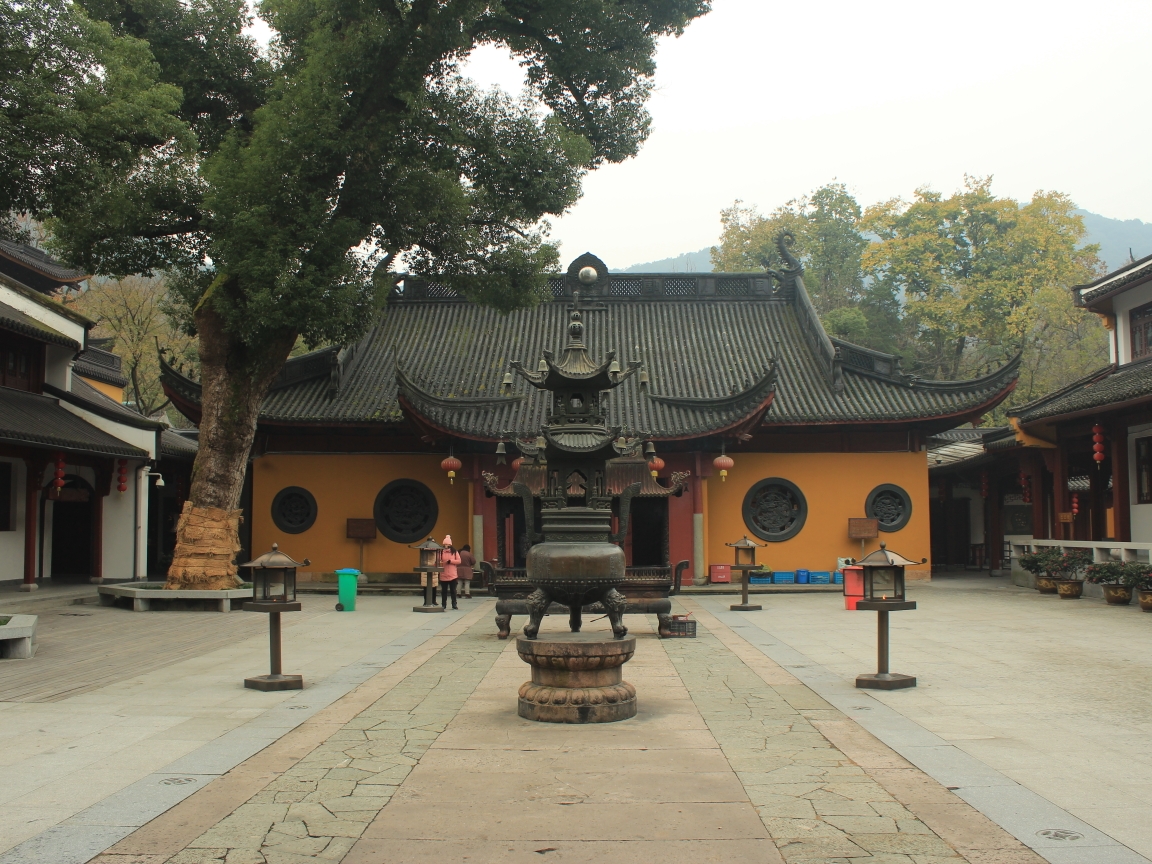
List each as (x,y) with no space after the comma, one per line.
(574,618)
(537,602)
(503,626)
(614,604)
(664,624)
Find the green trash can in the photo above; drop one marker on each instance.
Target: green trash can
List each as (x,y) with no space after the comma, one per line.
(346,589)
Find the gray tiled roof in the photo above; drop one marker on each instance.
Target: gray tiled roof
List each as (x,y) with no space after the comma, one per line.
(1134,272)
(19,322)
(40,262)
(100,365)
(709,360)
(176,446)
(1101,389)
(30,420)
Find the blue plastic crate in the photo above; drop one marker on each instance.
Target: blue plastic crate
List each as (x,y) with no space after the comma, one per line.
(837,578)
(760,580)
(819,577)
(786,577)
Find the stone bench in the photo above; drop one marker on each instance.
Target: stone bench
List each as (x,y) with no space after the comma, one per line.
(145,594)
(17,637)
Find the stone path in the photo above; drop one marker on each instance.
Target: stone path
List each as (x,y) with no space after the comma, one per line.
(730,758)
(89,765)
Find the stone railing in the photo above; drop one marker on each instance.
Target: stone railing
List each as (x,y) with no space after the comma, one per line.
(1102,550)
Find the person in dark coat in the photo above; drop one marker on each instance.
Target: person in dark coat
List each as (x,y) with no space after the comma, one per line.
(465,570)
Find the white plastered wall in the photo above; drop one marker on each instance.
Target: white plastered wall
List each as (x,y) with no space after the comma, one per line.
(1141,513)
(1122,305)
(12,542)
(120,527)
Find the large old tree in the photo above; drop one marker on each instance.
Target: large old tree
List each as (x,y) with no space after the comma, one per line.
(279,188)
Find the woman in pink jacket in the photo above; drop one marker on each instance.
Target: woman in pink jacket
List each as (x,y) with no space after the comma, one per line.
(449,558)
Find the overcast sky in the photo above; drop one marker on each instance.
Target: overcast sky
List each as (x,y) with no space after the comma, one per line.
(764,101)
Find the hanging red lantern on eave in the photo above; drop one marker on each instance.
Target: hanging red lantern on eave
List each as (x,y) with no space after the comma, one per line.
(517,462)
(1098,444)
(723,464)
(122,475)
(983,484)
(1075,503)
(1025,488)
(655,465)
(451,464)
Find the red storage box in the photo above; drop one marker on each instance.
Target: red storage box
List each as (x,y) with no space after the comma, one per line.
(722,573)
(853,587)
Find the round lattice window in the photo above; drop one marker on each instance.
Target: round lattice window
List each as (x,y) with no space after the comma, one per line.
(775,509)
(889,505)
(405,511)
(293,510)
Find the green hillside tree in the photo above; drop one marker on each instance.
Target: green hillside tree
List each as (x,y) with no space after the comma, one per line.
(828,242)
(981,278)
(297,178)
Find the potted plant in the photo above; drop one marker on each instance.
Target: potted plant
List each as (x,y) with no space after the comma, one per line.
(1040,565)
(1142,573)
(1116,578)
(1070,565)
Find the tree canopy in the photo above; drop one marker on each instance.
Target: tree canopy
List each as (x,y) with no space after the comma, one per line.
(957,285)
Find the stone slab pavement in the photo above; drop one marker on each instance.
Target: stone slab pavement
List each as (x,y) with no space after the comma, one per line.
(730,758)
(1031,706)
(122,715)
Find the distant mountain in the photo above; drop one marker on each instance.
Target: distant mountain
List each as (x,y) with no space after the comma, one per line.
(1115,236)
(689,262)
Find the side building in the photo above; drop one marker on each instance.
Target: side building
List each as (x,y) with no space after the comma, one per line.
(76,466)
(1074,467)
(723,364)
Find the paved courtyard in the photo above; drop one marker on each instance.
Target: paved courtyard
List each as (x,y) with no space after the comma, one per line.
(130,740)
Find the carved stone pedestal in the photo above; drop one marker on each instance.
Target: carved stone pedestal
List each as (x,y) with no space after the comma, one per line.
(576,678)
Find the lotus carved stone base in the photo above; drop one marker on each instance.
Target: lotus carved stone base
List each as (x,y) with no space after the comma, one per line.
(577,678)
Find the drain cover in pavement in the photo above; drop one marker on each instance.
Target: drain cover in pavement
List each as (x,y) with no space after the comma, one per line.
(177,781)
(1060,834)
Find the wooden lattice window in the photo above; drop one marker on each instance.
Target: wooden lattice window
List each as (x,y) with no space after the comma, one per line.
(1144,470)
(1140,323)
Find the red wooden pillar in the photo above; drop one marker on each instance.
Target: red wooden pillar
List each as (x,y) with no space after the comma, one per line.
(1035,467)
(1060,493)
(1121,495)
(34,473)
(995,524)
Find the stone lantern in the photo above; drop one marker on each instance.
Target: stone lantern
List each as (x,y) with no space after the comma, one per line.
(884,593)
(273,592)
(746,563)
(429,571)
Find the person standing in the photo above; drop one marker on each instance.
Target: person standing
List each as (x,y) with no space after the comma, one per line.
(465,570)
(449,560)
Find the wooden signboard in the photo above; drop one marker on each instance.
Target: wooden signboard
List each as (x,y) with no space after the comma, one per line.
(863,529)
(361,529)
(1066,517)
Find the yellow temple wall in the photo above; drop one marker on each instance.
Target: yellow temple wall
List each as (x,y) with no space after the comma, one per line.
(109,390)
(835,486)
(345,487)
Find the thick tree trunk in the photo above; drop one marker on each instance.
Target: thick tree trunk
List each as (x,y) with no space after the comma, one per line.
(234,379)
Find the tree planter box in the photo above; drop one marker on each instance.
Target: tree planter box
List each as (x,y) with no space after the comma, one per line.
(1117,595)
(17,636)
(148,596)
(1070,589)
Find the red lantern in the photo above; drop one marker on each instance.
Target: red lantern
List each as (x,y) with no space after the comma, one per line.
(122,475)
(58,477)
(1025,488)
(451,465)
(655,465)
(1075,503)
(723,464)
(517,462)
(983,484)
(1098,444)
